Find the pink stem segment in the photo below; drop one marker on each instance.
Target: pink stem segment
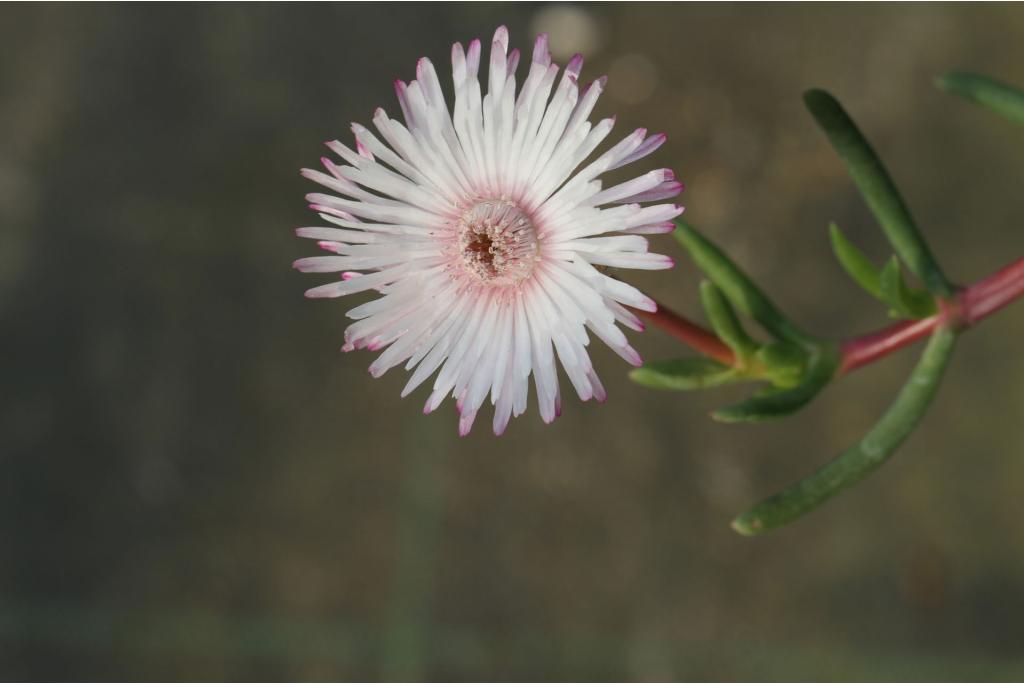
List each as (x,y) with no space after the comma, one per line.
(873,346)
(697,337)
(969,306)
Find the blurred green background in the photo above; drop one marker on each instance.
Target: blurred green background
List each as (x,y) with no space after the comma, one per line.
(197,484)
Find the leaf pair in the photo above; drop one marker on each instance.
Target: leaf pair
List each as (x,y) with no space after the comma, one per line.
(795,365)
(879,191)
(885,284)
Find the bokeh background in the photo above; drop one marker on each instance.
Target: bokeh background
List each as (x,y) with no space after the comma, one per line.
(196,483)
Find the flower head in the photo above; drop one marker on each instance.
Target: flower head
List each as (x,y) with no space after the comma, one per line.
(482,234)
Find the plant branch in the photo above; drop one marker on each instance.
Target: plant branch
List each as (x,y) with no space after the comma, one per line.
(870,452)
(681,328)
(871,347)
(993,292)
(967,307)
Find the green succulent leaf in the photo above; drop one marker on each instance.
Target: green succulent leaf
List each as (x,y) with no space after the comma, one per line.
(782,363)
(855,263)
(886,284)
(867,455)
(783,402)
(737,286)
(878,189)
(1002,99)
(725,323)
(693,373)
(906,303)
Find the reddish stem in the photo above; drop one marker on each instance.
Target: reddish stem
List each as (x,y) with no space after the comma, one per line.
(993,293)
(697,337)
(969,306)
(872,346)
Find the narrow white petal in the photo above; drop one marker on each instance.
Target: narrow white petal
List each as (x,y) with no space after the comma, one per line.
(478,226)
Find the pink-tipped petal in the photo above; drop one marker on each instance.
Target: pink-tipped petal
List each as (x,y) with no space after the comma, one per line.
(513,62)
(466,423)
(479,232)
(575,65)
(501,37)
(541,54)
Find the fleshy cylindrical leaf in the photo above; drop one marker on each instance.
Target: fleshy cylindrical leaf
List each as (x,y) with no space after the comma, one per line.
(867,455)
(723,320)
(878,189)
(776,404)
(854,262)
(684,374)
(737,286)
(998,97)
(906,303)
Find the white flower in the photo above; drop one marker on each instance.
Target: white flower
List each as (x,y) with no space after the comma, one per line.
(482,237)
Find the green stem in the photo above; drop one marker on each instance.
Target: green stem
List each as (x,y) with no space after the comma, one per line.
(867,455)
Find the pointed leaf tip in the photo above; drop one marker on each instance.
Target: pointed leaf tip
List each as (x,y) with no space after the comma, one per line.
(854,262)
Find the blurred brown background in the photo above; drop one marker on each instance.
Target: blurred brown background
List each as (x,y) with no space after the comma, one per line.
(196,484)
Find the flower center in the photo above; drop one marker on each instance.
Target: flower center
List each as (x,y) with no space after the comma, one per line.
(497,242)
